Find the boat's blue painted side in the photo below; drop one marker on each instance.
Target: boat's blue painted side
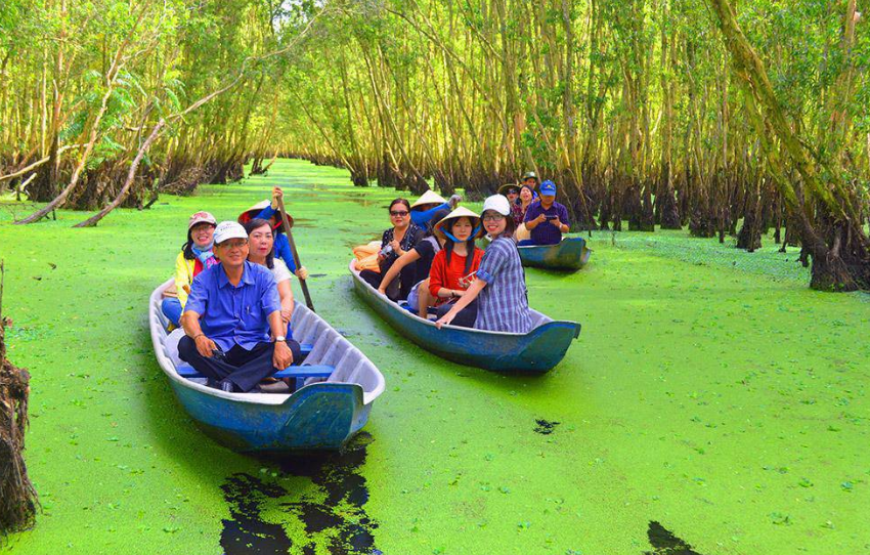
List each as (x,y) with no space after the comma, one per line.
(535,352)
(321,416)
(315,418)
(570,254)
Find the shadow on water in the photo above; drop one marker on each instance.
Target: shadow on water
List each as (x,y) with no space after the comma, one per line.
(336,521)
(666,543)
(245,531)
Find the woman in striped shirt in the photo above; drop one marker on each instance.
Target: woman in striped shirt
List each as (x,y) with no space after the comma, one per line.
(500,287)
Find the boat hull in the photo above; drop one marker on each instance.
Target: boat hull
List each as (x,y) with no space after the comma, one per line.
(536,352)
(571,255)
(321,416)
(318,417)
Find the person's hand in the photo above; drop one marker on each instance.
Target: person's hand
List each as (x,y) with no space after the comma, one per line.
(556,223)
(541,219)
(302,272)
(286,315)
(283,356)
(458,292)
(397,247)
(277,194)
(205,346)
(382,291)
(445,320)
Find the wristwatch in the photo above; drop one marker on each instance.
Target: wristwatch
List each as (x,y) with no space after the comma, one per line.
(280,338)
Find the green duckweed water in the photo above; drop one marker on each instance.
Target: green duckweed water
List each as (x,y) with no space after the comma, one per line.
(710,391)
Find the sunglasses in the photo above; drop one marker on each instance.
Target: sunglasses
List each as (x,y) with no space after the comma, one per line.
(398,213)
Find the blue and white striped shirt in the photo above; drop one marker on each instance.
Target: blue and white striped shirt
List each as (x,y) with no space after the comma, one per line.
(502,304)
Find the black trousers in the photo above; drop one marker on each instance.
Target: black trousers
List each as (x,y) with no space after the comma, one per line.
(371,277)
(245,369)
(400,287)
(466,316)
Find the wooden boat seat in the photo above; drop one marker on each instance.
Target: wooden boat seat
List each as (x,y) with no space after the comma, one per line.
(301,373)
(311,371)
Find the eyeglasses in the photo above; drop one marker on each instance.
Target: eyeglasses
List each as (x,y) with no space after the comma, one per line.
(399,214)
(513,192)
(493,218)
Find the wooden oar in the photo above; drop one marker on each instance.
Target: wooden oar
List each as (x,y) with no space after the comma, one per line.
(293,250)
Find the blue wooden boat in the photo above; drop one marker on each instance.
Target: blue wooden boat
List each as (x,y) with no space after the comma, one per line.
(535,352)
(338,386)
(571,254)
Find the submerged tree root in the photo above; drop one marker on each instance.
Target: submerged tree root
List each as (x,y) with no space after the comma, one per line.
(18,498)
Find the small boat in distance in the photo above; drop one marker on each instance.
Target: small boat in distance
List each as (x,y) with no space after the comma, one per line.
(337,385)
(571,254)
(535,352)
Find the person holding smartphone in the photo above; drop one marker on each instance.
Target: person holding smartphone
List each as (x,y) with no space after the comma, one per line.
(546,220)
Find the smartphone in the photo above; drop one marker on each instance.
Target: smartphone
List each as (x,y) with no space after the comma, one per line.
(551,217)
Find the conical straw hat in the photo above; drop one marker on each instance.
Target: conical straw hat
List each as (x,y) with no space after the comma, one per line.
(461,212)
(253,211)
(429,197)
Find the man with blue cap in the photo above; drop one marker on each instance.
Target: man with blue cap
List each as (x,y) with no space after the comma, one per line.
(547,220)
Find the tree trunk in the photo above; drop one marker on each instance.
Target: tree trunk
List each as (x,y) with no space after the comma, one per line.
(18,498)
(131,177)
(837,242)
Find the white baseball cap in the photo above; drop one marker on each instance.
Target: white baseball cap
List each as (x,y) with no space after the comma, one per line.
(229,230)
(497,203)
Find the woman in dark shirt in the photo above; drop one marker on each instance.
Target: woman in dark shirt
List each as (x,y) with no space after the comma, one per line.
(420,258)
(396,241)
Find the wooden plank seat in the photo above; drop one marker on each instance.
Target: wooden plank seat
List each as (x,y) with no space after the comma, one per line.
(310,371)
(300,373)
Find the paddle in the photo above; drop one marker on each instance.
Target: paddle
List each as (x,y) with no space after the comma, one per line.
(286,224)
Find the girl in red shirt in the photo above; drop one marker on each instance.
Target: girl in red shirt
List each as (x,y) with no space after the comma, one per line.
(454,266)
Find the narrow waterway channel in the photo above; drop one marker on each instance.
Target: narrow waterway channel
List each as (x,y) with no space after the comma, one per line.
(712,404)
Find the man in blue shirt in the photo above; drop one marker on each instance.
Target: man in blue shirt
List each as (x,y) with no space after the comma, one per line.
(547,220)
(231,308)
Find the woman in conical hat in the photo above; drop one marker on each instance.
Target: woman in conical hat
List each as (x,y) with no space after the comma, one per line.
(428,204)
(427,200)
(454,267)
(266,210)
